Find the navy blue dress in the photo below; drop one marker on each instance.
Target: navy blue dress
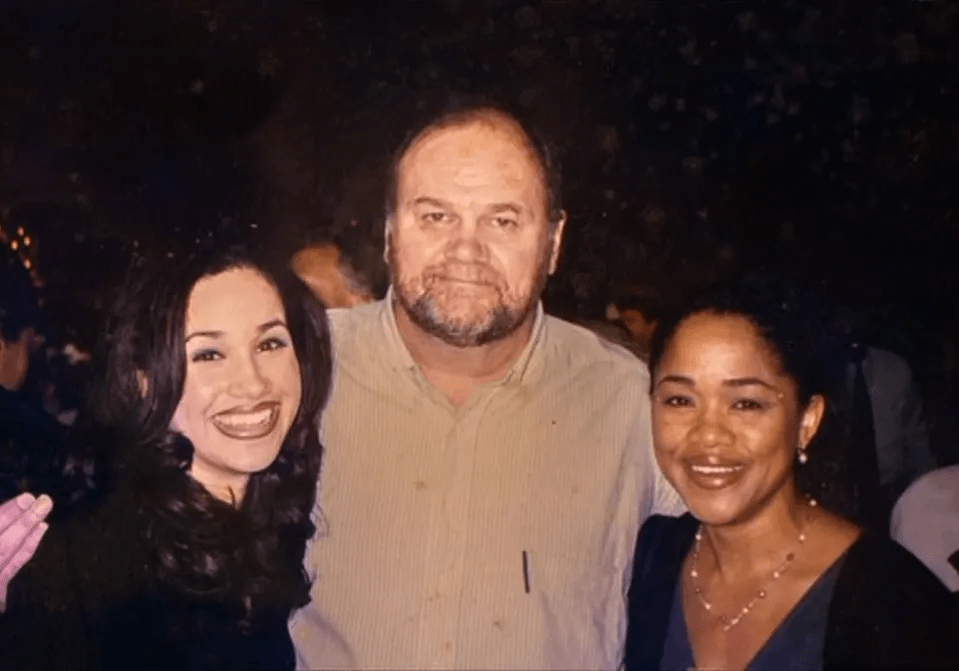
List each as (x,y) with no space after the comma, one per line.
(877,608)
(796,644)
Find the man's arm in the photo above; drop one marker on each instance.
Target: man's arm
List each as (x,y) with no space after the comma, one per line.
(21,528)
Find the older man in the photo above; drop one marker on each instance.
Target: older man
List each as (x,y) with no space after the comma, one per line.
(487,466)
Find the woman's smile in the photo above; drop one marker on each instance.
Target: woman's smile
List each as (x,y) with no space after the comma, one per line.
(250,424)
(712,473)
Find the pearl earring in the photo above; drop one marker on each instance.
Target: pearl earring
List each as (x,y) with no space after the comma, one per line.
(803,457)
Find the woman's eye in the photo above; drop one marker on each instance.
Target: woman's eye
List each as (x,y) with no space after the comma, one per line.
(271,344)
(205,355)
(748,404)
(676,401)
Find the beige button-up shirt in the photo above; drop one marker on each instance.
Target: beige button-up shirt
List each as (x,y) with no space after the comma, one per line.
(496,535)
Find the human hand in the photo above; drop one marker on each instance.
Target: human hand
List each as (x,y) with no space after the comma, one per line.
(21,528)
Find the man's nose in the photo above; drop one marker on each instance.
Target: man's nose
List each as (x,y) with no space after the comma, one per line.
(467,243)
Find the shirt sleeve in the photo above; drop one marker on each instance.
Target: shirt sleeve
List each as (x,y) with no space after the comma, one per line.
(667,500)
(663,498)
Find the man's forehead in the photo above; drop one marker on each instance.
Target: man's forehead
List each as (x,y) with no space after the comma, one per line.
(480,121)
(465,152)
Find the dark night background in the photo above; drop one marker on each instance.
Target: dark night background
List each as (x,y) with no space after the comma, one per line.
(697,139)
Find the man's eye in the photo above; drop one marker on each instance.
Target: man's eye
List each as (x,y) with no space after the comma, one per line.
(435,217)
(205,355)
(505,222)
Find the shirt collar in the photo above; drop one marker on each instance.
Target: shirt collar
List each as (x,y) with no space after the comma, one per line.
(399,355)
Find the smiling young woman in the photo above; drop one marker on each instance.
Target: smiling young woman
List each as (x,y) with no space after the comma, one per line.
(182,544)
(242,385)
(764,573)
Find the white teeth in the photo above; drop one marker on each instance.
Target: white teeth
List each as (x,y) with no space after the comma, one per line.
(715,470)
(248,419)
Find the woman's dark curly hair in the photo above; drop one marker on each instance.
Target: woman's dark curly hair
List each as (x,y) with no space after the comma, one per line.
(248,556)
(790,319)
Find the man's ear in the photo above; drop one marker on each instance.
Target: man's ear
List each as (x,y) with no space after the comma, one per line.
(387,238)
(556,240)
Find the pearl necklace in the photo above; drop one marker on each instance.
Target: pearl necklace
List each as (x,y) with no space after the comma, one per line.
(727,621)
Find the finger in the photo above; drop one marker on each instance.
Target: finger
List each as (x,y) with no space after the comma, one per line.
(23,554)
(14,536)
(14,508)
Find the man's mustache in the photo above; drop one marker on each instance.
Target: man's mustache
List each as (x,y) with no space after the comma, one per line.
(461,272)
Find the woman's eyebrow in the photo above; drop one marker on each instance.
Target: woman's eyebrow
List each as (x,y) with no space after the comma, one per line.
(270,324)
(680,379)
(749,381)
(262,328)
(204,334)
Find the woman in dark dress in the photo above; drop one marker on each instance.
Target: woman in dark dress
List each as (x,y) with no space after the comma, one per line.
(764,573)
(181,544)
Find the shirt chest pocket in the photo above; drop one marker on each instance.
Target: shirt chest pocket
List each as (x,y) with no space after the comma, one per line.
(579,606)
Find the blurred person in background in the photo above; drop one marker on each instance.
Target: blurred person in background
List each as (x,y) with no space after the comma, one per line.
(925,521)
(881,405)
(899,422)
(630,319)
(345,271)
(29,435)
(19,321)
(614,332)
(638,307)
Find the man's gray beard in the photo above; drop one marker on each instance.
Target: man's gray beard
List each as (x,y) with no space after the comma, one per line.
(498,324)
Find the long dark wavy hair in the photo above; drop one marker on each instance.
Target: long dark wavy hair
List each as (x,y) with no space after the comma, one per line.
(245,556)
(789,317)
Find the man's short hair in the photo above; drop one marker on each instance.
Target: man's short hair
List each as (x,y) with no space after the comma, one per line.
(463,110)
(19,302)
